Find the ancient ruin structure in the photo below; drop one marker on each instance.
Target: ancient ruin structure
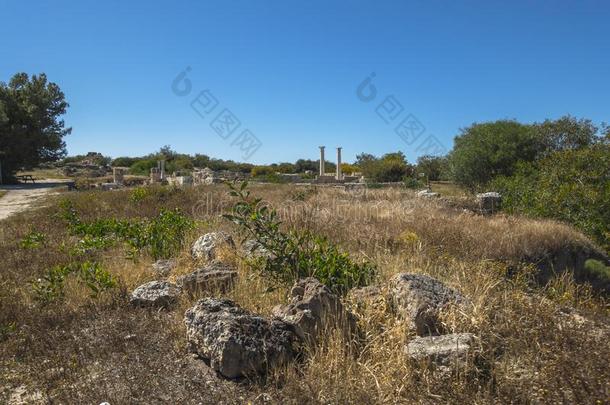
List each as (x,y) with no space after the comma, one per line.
(322,162)
(118,175)
(157,174)
(209,176)
(338,177)
(179,181)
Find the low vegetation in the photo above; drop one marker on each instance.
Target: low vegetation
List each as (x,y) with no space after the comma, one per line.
(571,186)
(68,333)
(295,254)
(160,236)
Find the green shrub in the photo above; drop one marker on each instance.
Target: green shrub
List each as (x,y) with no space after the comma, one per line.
(597,269)
(50,286)
(161,236)
(96,278)
(570,185)
(166,233)
(413,183)
(391,167)
(90,244)
(138,194)
(32,240)
(260,171)
(294,254)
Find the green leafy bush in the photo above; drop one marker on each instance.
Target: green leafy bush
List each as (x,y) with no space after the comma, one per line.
(161,236)
(391,167)
(50,287)
(570,185)
(597,269)
(413,183)
(294,254)
(138,194)
(96,278)
(165,234)
(32,240)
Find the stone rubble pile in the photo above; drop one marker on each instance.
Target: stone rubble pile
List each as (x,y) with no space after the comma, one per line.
(313,309)
(238,343)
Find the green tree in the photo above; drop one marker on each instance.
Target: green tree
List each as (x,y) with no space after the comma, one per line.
(31,128)
(142,167)
(391,167)
(124,161)
(483,151)
(435,167)
(302,165)
(566,133)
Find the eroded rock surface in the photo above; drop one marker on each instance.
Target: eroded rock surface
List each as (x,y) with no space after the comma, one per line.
(207,246)
(489,202)
(216,276)
(252,250)
(164,267)
(427,194)
(155,294)
(419,298)
(236,342)
(446,351)
(313,308)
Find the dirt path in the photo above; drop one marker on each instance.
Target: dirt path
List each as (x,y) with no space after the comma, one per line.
(20,197)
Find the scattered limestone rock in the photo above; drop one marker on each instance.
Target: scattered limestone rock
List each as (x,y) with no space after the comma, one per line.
(445,352)
(21,396)
(155,294)
(570,318)
(419,298)
(427,194)
(207,246)
(252,250)
(314,308)
(213,277)
(489,202)
(236,342)
(164,266)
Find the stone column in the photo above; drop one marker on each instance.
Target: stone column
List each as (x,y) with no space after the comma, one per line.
(339,175)
(162,169)
(117,174)
(322,161)
(154,174)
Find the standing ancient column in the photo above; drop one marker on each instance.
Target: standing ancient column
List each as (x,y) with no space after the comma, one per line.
(322,161)
(339,175)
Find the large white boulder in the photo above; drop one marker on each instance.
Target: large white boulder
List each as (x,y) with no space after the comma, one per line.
(207,246)
(155,294)
(236,342)
(419,298)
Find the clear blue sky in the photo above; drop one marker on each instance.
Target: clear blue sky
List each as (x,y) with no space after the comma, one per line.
(289,70)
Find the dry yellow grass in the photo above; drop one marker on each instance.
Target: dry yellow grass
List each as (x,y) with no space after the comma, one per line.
(86,350)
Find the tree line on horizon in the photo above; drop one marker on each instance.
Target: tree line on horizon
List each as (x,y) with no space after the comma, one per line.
(556,168)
